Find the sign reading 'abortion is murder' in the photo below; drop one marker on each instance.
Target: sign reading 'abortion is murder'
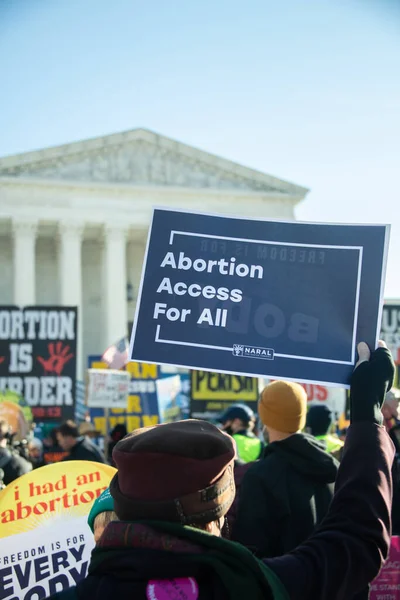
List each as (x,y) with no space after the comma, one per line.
(284,300)
(38,358)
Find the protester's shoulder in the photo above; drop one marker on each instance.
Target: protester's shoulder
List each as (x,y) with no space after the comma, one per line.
(263,468)
(91,449)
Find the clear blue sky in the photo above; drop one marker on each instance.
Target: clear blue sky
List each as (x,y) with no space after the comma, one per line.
(307,90)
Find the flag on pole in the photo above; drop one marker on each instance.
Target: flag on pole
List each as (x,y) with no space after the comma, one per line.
(117,355)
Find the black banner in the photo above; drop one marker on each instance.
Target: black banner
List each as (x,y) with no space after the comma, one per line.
(38,358)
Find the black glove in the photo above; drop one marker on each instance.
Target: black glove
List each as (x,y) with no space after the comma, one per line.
(370,382)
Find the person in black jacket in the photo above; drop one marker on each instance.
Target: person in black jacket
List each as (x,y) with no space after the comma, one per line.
(288,492)
(79,447)
(12,464)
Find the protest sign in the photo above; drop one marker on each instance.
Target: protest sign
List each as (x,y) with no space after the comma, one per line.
(8,396)
(213,393)
(16,412)
(81,410)
(45,540)
(332,396)
(38,358)
(13,415)
(285,300)
(107,388)
(387,585)
(390,329)
(142,407)
(390,332)
(168,391)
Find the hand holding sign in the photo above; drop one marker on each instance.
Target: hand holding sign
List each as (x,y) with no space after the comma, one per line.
(371,379)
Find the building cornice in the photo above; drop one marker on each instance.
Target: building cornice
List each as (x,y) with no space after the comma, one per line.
(130,190)
(84,148)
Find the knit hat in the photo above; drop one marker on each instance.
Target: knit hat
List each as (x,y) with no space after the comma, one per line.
(319,419)
(102,504)
(181,472)
(283,406)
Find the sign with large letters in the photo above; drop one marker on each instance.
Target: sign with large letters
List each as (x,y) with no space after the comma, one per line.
(259,298)
(213,393)
(38,358)
(45,541)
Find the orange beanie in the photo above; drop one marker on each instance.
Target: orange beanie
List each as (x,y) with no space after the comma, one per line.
(283,406)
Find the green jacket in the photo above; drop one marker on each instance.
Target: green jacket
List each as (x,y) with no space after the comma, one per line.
(249,447)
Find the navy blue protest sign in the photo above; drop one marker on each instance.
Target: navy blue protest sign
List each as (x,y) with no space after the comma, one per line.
(259,298)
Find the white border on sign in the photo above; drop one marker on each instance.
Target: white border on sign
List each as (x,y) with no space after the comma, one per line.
(271,243)
(230,349)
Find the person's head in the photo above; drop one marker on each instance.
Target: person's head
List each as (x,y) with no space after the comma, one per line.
(237,417)
(35,448)
(391,406)
(88,430)
(282,408)
(67,435)
(4,433)
(319,419)
(101,514)
(179,472)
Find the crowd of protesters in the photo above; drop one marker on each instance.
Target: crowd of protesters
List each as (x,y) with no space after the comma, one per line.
(297,515)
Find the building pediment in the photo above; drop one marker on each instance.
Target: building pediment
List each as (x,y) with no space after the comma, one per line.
(141,157)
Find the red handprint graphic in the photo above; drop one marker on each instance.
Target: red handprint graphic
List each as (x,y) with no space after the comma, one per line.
(58,357)
(2,359)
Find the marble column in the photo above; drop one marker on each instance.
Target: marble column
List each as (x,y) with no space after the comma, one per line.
(115,280)
(70,277)
(24,244)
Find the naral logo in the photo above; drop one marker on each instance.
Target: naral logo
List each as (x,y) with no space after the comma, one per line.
(253,352)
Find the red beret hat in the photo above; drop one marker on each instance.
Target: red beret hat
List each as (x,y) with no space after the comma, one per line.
(180,471)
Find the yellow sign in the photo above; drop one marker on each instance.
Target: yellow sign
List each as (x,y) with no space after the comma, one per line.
(66,489)
(43,516)
(221,386)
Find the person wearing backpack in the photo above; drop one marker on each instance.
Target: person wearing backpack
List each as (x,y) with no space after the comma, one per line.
(175,484)
(12,464)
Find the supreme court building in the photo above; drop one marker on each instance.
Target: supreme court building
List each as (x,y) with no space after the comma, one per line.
(74,220)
